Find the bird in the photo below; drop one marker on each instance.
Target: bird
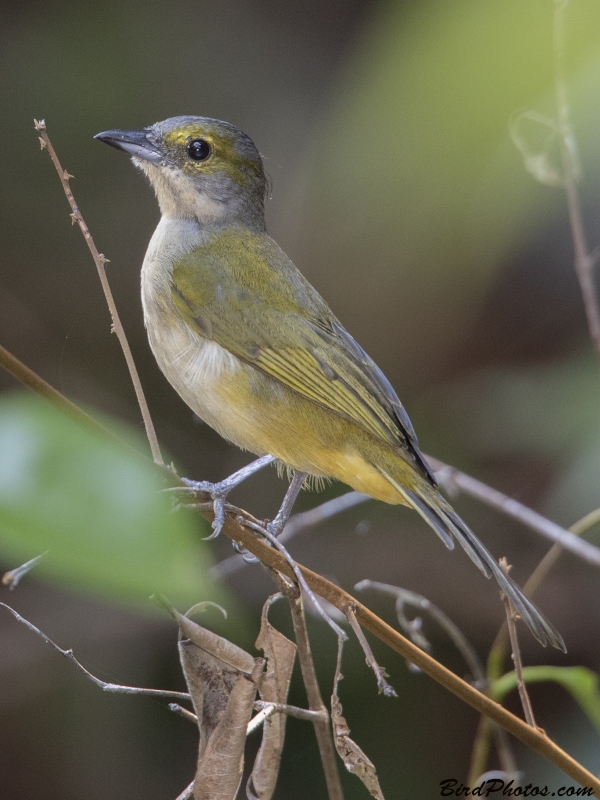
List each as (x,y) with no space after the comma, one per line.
(256,352)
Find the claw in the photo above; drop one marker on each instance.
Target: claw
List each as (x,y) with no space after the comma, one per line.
(219,491)
(219,520)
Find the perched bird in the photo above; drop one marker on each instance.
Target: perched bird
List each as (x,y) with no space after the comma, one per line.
(255,351)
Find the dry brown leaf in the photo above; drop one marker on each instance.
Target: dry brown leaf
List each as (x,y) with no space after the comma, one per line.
(280,653)
(221,765)
(353,757)
(222,680)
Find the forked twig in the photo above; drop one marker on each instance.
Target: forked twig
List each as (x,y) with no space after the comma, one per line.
(406,597)
(106,687)
(380,672)
(100,260)
(298,576)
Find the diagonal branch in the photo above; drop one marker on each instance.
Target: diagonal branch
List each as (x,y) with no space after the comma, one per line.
(342,600)
(454,478)
(106,687)
(100,261)
(476,699)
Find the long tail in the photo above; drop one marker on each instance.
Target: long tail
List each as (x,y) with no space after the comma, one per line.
(447,524)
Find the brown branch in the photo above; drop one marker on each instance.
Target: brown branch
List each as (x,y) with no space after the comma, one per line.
(100,261)
(380,673)
(117,688)
(477,700)
(584,261)
(386,634)
(38,385)
(481,745)
(511,621)
(291,592)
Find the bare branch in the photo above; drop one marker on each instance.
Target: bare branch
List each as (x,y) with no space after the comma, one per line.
(100,260)
(479,701)
(405,597)
(183,712)
(106,687)
(13,576)
(297,524)
(380,672)
(497,654)
(584,260)
(187,793)
(292,711)
(511,617)
(455,479)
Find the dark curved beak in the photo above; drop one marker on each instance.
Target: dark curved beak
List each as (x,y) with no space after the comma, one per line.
(136,143)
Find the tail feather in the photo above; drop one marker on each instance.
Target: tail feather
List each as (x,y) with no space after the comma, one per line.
(447,524)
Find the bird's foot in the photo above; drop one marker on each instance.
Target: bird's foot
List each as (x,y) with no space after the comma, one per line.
(219,491)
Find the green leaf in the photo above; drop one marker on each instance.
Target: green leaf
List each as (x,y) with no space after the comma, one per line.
(96,506)
(582,683)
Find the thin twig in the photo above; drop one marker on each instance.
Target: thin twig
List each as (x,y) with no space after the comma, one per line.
(292,711)
(273,540)
(498,648)
(106,687)
(406,597)
(380,672)
(13,577)
(100,260)
(41,387)
(265,710)
(258,720)
(183,712)
(481,744)
(511,621)
(479,701)
(584,261)
(315,702)
(454,478)
(329,591)
(187,793)
(297,524)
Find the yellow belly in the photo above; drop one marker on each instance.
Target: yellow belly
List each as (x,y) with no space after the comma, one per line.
(259,414)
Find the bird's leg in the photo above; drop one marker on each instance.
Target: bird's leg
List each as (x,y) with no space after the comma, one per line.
(278,524)
(219,491)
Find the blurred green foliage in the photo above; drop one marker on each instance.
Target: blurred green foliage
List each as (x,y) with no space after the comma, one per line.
(96,507)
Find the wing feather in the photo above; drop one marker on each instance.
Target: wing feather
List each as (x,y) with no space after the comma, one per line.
(256,304)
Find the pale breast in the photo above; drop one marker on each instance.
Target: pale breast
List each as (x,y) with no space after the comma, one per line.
(196,367)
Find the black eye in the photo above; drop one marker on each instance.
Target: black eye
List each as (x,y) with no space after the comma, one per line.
(198,150)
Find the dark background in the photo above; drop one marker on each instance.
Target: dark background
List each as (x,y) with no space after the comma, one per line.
(397,191)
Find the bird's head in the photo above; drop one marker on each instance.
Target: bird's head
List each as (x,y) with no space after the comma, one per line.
(200,168)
